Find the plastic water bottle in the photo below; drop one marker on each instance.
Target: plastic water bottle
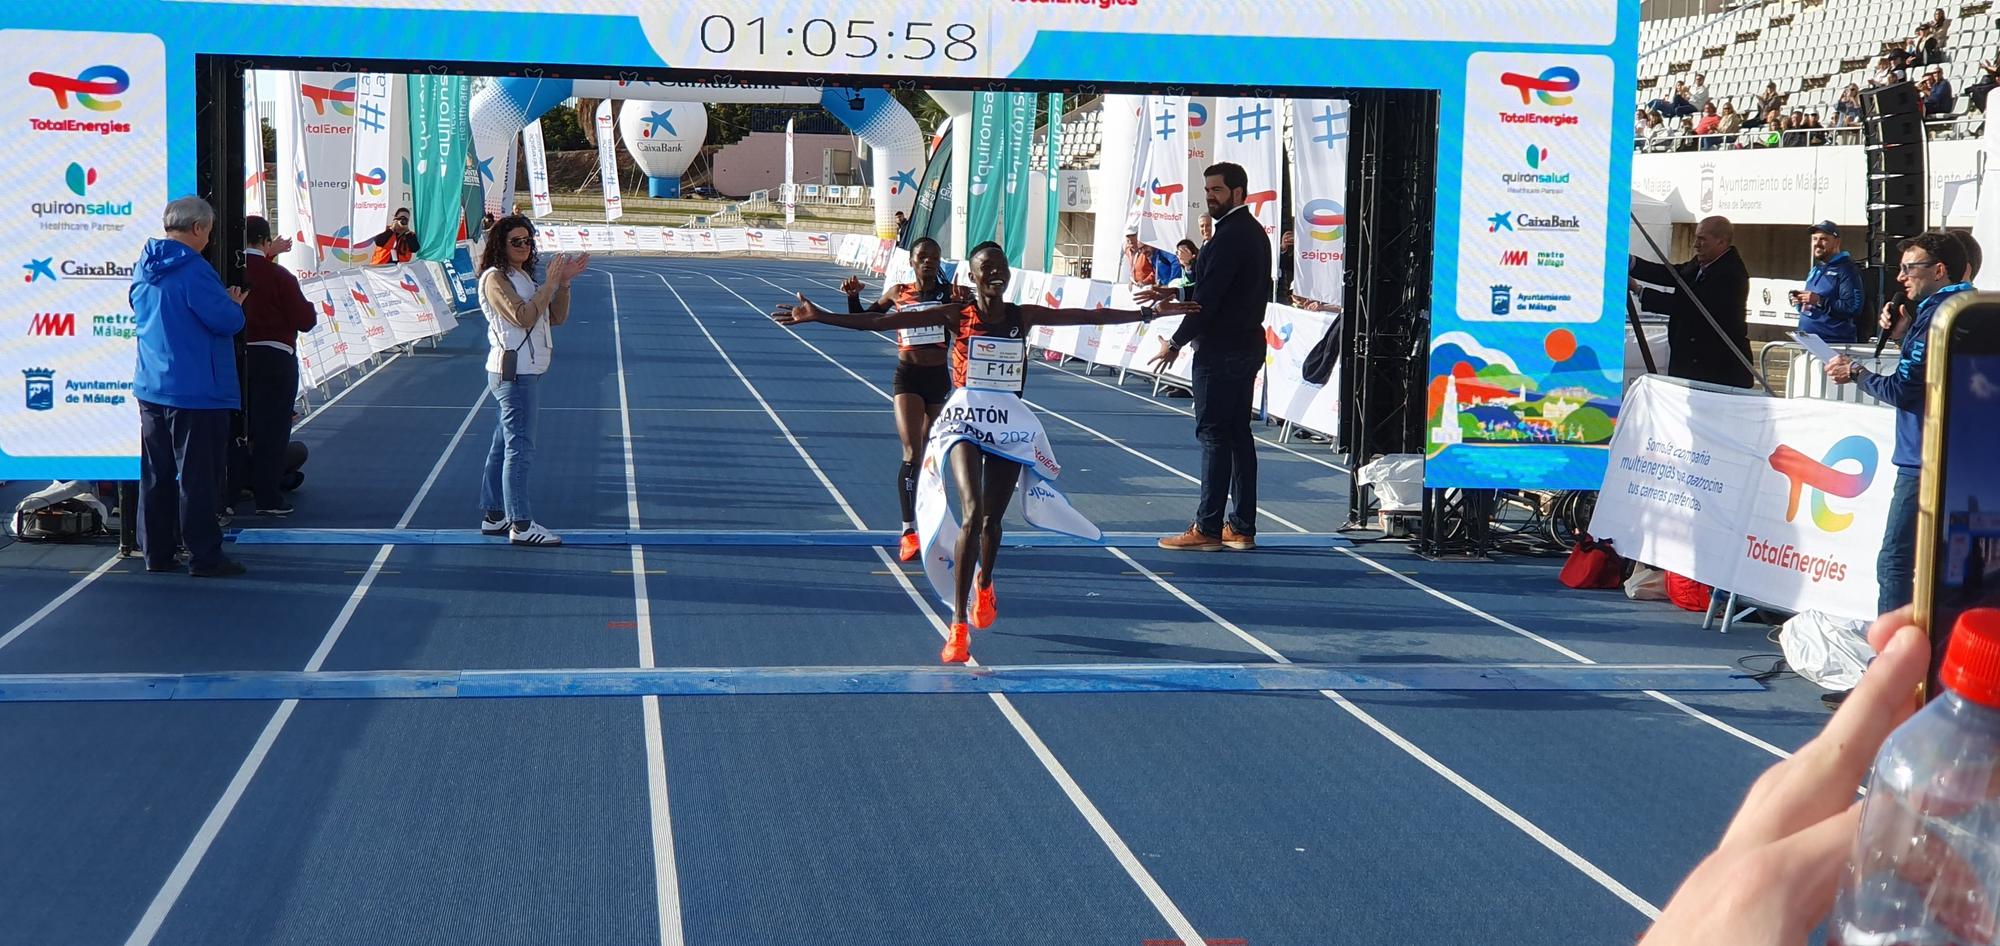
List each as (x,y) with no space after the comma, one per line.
(1926,864)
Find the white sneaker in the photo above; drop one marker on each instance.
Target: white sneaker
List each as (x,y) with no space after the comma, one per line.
(534,534)
(493,526)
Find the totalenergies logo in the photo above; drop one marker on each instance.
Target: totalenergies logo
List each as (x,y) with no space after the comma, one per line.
(409,285)
(1552,87)
(1163,194)
(1824,479)
(93,87)
(340,245)
(1324,219)
(371,182)
(340,95)
(1197,119)
(1258,200)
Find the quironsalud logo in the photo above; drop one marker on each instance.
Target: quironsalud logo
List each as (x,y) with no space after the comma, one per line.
(41,394)
(1823,479)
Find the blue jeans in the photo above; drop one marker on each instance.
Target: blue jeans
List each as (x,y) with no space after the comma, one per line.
(181,472)
(1895,565)
(1224,402)
(505,486)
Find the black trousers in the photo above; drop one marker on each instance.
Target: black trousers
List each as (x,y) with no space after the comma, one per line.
(181,470)
(273,390)
(1224,405)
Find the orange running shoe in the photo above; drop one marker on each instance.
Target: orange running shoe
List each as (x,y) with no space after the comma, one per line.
(984,608)
(958,649)
(910,549)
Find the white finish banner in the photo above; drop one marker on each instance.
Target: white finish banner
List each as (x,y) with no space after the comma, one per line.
(1319,202)
(538,168)
(1246,132)
(607,162)
(1159,193)
(1782,500)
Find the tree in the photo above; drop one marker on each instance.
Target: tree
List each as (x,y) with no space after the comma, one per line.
(928,112)
(270,137)
(560,132)
(728,123)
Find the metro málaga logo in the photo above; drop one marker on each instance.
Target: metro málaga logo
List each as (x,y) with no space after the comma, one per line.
(95,89)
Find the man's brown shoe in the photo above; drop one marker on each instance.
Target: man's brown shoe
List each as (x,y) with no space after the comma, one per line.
(1237,540)
(1193,540)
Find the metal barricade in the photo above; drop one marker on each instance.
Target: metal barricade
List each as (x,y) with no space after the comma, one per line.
(1805,374)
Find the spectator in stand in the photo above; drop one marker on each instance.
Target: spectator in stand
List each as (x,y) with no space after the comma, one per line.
(1659,136)
(1676,105)
(186,325)
(1698,93)
(1769,100)
(1830,304)
(1929,45)
(1847,111)
(1933,270)
(1721,283)
(1706,127)
(1728,122)
(398,244)
(1989,79)
(1886,73)
(274,314)
(1641,123)
(1939,26)
(1795,129)
(1939,102)
(1684,136)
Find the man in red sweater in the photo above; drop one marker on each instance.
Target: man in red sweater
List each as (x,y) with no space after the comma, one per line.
(273,316)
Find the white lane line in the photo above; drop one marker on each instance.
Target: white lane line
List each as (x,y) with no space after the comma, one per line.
(1120,851)
(211,827)
(1463,784)
(666,870)
(29,622)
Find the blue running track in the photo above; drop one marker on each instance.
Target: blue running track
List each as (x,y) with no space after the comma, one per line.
(1557,815)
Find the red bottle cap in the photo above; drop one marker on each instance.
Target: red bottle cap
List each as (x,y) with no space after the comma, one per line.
(1971,666)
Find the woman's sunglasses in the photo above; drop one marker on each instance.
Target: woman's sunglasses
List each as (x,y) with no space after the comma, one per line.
(521,241)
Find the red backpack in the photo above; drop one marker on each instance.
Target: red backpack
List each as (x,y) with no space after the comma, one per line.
(1688,594)
(1593,564)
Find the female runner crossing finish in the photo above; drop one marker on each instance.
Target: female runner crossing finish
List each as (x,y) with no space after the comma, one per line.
(921,383)
(992,439)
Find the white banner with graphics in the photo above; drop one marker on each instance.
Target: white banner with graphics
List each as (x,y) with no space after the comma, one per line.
(360,315)
(1799,186)
(1201,153)
(607,162)
(326,104)
(538,168)
(1246,132)
(402,300)
(1159,195)
(791,189)
(376,157)
(1319,182)
(255,199)
(1779,499)
(1289,336)
(295,203)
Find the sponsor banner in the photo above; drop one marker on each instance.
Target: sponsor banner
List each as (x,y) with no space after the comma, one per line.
(1526,368)
(725,241)
(537,156)
(294,183)
(376,155)
(988,164)
(791,188)
(326,104)
(255,200)
(401,298)
(86,116)
(1319,181)
(1289,336)
(1798,186)
(652,240)
(1017,175)
(1052,200)
(1780,499)
(607,162)
(1158,200)
(1246,132)
(439,142)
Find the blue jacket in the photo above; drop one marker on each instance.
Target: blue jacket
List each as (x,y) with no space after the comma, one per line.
(1904,390)
(186,325)
(1838,284)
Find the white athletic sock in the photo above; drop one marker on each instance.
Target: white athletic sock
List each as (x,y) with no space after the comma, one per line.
(909,526)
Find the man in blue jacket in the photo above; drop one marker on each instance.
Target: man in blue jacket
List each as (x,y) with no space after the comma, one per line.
(1830,305)
(1933,270)
(186,388)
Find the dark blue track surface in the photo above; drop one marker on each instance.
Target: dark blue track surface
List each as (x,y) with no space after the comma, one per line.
(1260,818)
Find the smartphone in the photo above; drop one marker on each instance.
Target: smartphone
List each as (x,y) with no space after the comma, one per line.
(1958,513)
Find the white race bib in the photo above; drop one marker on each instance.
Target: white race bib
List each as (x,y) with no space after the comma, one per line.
(913,337)
(996,364)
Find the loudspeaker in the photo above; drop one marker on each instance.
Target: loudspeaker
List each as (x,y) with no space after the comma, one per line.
(1898,99)
(1896,190)
(1895,224)
(1893,132)
(1895,159)
(1907,129)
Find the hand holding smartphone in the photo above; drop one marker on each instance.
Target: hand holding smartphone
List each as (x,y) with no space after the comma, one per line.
(1958,514)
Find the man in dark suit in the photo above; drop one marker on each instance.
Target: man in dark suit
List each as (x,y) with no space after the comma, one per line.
(1232,282)
(1721,284)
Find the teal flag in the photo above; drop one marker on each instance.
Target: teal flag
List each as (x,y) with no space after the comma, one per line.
(440,137)
(1050,204)
(1020,175)
(985,177)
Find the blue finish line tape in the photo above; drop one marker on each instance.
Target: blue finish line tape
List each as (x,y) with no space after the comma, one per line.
(691,537)
(833,681)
